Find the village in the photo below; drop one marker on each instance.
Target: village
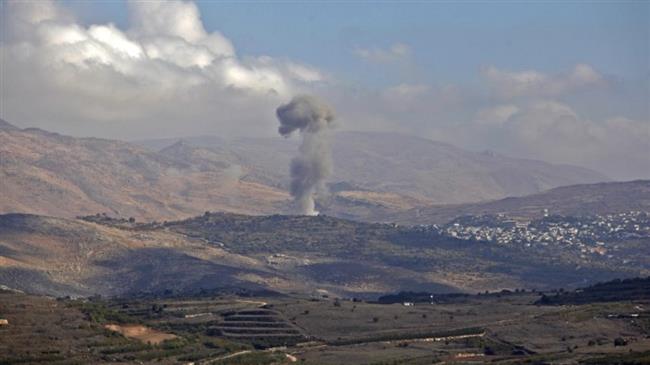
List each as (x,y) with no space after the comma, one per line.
(590,234)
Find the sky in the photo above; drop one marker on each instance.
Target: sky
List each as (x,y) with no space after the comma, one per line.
(565,82)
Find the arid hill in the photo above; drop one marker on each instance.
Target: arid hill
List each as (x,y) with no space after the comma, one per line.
(375,173)
(47,173)
(396,165)
(101,255)
(575,200)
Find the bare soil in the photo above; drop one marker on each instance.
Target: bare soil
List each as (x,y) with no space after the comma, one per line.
(142,333)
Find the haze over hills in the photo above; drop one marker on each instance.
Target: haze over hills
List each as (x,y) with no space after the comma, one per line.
(575,200)
(375,173)
(394,163)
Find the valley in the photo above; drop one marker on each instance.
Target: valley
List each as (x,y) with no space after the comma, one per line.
(174,252)
(275,182)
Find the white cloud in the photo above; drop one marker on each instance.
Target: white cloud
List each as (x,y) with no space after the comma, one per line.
(395,53)
(532,117)
(304,73)
(165,75)
(171,19)
(103,73)
(529,126)
(555,132)
(511,84)
(407,90)
(496,115)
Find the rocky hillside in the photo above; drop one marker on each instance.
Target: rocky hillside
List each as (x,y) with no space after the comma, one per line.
(47,173)
(406,166)
(376,174)
(575,200)
(73,257)
(100,255)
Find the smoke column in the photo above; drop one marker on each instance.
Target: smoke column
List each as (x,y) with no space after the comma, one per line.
(312,118)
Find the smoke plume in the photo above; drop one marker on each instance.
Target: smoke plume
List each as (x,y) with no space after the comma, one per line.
(312,119)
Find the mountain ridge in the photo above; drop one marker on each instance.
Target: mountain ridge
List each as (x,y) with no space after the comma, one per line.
(47,173)
(368,160)
(573,200)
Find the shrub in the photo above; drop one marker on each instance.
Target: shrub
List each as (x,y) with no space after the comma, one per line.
(619,341)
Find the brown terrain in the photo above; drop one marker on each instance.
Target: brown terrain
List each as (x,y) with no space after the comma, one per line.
(47,173)
(55,175)
(394,163)
(229,252)
(497,328)
(60,256)
(141,333)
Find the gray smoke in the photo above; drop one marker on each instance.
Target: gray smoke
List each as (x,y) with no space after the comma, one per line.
(312,118)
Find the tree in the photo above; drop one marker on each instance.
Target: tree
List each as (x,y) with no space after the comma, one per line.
(591,343)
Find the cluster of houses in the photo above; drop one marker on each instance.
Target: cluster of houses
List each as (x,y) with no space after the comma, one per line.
(590,234)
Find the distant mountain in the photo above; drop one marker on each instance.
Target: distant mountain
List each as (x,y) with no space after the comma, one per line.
(375,174)
(4,125)
(99,255)
(408,166)
(575,200)
(47,173)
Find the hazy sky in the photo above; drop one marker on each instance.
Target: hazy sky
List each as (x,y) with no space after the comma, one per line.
(566,82)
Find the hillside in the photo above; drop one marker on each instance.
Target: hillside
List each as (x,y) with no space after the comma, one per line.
(636,289)
(375,173)
(406,166)
(575,200)
(72,257)
(280,253)
(47,173)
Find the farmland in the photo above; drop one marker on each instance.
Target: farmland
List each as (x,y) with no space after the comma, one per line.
(500,327)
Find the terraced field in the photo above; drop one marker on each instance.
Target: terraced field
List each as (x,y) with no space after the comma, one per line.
(499,328)
(263,327)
